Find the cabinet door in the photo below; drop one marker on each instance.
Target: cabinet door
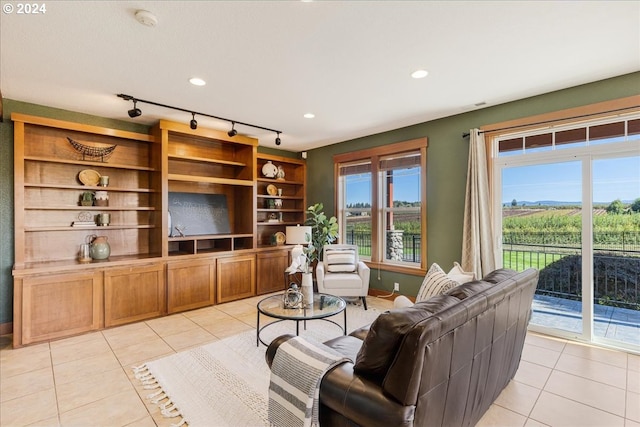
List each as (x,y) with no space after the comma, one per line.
(60,305)
(133,293)
(271,275)
(236,277)
(190,284)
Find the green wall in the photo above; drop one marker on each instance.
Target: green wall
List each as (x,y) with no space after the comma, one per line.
(446,174)
(447,165)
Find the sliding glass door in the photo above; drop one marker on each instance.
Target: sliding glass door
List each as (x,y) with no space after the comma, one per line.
(542,228)
(569,200)
(616,249)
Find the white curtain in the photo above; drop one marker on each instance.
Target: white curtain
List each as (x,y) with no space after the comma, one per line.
(478,254)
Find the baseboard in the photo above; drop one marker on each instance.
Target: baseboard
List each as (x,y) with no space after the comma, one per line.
(6,328)
(384,294)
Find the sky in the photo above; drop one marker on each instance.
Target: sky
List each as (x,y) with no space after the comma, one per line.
(617,178)
(406,187)
(613,179)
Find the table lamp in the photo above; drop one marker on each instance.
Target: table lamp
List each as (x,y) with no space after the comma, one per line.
(298,235)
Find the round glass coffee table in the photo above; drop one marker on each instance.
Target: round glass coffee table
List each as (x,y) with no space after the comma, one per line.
(324,306)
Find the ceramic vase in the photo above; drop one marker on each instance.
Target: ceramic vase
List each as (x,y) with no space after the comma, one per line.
(307,289)
(100,248)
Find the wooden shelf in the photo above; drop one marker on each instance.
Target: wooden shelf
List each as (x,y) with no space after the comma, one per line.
(91,208)
(210,180)
(90,227)
(208,237)
(207,160)
(87,163)
(90,187)
(276,182)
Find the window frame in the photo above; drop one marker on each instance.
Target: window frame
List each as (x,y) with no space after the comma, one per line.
(377,209)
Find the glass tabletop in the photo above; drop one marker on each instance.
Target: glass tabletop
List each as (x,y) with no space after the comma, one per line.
(324,305)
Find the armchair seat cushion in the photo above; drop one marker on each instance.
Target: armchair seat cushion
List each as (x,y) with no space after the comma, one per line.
(342,281)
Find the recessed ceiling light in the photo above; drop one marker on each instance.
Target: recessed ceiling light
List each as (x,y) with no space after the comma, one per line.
(419,74)
(309,116)
(196,81)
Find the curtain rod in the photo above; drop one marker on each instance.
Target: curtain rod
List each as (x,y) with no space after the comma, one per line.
(466,134)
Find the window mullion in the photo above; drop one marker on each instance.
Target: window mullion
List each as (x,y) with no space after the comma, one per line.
(375,211)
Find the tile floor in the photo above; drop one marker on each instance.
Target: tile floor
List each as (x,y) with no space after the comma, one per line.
(87,381)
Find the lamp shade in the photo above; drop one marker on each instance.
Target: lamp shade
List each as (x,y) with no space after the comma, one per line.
(299,235)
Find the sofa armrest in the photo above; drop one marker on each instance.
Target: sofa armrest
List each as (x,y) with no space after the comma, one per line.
(273,347)
(361,400)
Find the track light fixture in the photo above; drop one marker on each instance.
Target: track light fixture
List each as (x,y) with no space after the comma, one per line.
(135,112)
(233,132)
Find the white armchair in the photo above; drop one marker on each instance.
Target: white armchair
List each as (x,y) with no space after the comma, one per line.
(341,273)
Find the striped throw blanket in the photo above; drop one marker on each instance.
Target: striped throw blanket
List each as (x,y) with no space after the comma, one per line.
(296,372)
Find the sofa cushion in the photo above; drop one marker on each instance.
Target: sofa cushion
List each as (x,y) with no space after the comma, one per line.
(467,289)
(459,275)
(387,331)
(436,282)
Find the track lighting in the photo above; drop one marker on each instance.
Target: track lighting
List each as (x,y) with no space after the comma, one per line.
(233,132)
(135,111)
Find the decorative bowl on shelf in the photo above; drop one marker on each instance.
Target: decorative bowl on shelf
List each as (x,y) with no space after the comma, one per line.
(89,152)
(89,177)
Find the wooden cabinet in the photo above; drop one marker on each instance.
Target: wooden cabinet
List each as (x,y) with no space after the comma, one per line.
(236,277)
(206,161)
(57,305)
(153,268)
(133,293)
(190,284)
(270,270)
(287,205)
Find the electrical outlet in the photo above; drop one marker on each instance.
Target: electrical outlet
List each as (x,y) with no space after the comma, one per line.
(396,287)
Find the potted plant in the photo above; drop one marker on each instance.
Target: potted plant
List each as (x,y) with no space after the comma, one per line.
(86,199)
(324,230)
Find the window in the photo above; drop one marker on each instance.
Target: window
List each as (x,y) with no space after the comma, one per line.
(382,203)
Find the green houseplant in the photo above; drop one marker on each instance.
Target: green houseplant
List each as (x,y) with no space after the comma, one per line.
(324,230)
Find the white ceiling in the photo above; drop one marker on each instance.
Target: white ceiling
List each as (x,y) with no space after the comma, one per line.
(268,63)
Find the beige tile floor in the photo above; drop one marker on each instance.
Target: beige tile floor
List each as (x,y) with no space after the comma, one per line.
(87,381)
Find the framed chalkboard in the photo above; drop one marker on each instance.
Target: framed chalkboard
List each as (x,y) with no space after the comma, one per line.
(193,214)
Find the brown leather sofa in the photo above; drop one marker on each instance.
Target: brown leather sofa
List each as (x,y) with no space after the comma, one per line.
(441,362)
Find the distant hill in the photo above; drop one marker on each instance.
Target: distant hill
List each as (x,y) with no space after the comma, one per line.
(556,203)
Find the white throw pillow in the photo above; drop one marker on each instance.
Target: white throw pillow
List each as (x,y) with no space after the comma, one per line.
(341,260)
(436,282)
(459,275)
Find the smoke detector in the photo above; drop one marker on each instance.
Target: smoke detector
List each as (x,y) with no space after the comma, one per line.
(146,18)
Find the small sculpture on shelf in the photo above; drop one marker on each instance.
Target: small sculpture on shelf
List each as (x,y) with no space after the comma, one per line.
(280,174)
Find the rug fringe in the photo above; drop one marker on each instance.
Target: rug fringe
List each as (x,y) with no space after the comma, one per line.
(168,409)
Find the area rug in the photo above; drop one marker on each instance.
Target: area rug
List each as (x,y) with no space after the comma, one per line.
(225,383)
